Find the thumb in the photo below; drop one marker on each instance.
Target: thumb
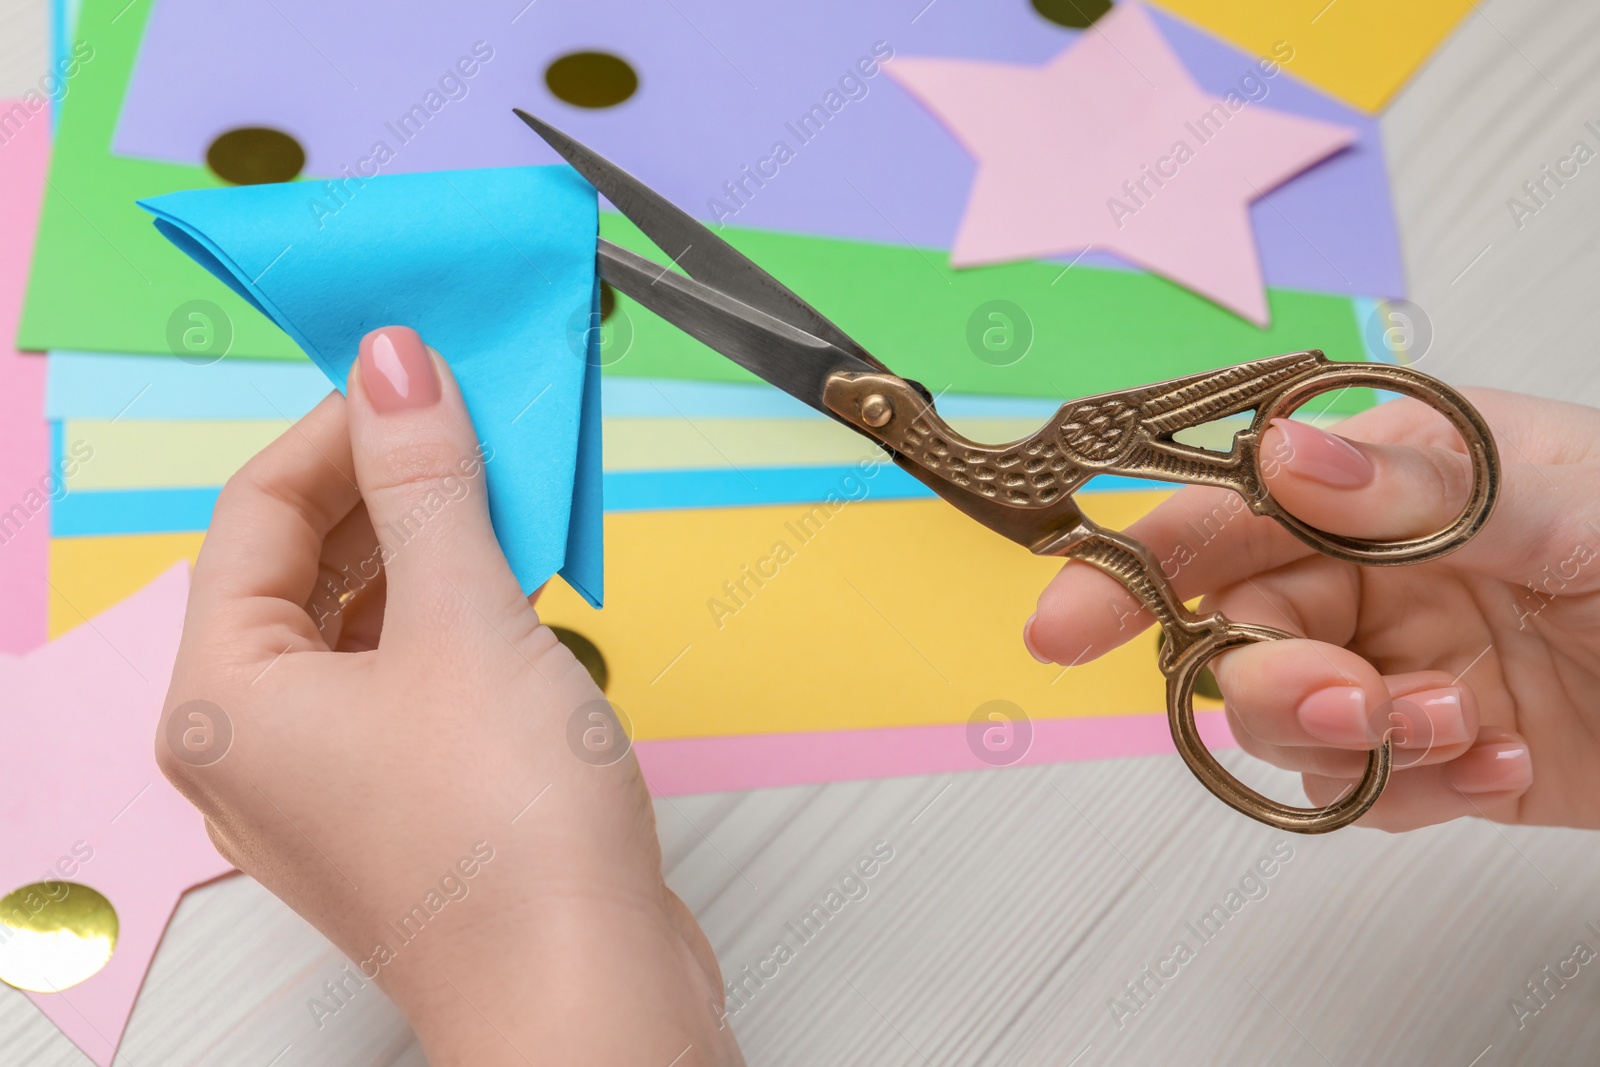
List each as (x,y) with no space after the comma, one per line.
(1380,492)
(1389,492)
(422,474)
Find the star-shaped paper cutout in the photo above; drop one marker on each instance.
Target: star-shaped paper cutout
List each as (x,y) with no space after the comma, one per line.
(1112,145)
(80,777)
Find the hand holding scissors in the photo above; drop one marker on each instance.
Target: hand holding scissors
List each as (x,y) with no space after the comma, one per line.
(1023,490)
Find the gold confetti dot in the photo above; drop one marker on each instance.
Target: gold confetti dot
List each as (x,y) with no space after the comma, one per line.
(54,935)
(1073,14)
(255,155)
(591,79)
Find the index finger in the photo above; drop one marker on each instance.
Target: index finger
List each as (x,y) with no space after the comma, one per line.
(1201,538)
(266,533)
(1394,478)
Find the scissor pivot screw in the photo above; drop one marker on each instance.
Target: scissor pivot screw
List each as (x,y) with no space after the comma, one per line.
(876,410)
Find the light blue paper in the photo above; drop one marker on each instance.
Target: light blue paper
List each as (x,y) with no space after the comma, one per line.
(133,388)
(108,512)
(495,269)
(115,512)
(98,385)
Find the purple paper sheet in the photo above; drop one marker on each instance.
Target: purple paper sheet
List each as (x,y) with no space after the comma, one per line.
(720,85)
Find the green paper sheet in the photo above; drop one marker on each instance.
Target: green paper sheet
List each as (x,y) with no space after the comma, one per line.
(103,279)
(1086,330)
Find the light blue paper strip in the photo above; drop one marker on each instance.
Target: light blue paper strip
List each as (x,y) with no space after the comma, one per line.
(669,490)
(102,512)
(107,512)
(95,385)
(92,385)
(63,25)
(657,398)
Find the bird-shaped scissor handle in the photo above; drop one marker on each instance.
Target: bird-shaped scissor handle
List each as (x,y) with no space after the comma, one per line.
(1024,491)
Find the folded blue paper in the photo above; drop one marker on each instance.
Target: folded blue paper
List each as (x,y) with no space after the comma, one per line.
(494,268)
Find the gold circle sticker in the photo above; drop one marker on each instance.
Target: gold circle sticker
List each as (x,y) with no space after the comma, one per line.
(1073,14)
(591,79)
(255,155)
(54,935)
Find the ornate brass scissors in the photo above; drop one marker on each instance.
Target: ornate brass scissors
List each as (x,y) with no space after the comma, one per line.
(1023,490)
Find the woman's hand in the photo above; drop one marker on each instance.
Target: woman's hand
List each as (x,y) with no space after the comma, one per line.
(1488,659)
(416,765)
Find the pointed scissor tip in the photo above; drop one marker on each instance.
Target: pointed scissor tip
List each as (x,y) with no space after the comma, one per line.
(539,126)
(552,136)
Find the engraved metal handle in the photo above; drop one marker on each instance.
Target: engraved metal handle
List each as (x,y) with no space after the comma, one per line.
(1130,433)
(1191,641)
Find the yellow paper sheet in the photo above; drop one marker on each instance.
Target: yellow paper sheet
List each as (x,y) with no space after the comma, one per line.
(878,614)
(758,620)
(1361,51)
(154,454)
(163,455)
(89,574)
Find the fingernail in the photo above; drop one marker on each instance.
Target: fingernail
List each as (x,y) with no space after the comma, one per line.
(397,371)
(1322,456)
(1430,719)
(1497,767)
(1027,639)
(1337,715)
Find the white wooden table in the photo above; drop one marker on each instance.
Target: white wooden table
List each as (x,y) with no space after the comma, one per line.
(1020,904)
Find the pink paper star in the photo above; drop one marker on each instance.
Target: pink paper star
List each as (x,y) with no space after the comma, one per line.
(82,800)
(1111,145)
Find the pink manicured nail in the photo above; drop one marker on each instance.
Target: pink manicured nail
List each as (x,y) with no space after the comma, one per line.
(1323,457)
(1430,719)
(1337,715)
(1497,767)
(397,371)
(1027,639)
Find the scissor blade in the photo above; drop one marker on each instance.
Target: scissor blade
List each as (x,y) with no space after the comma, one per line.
(788,357)
(692,246)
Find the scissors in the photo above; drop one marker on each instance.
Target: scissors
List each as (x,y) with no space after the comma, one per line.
(1023,490)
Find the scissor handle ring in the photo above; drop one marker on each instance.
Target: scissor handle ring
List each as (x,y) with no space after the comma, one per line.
(1443,399)
(1180,715)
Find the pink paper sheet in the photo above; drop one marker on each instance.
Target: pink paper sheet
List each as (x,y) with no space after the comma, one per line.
(79,774)
(684,766)
(25,483)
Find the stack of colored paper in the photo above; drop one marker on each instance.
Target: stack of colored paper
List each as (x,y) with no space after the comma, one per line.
(710,480)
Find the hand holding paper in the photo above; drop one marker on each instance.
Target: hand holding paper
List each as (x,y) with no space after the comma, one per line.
(495,268)
(507,863)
